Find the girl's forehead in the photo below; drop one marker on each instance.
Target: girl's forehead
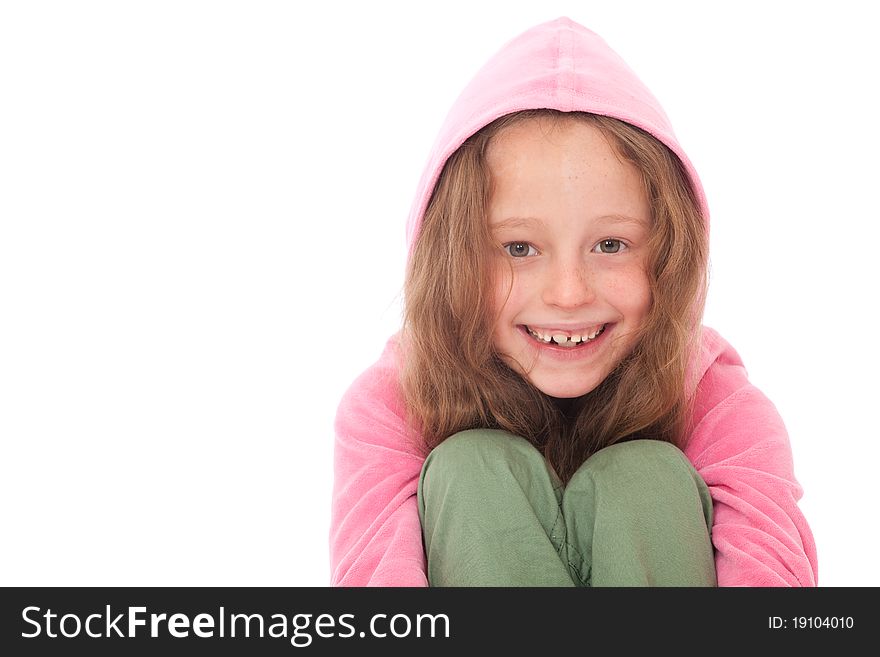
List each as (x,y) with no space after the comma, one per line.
(545,125)
(569,148)
(566,136)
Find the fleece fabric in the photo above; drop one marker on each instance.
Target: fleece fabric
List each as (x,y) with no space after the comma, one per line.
(738,445)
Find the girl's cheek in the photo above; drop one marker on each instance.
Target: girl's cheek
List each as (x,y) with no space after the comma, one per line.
(503,289)
(632,280)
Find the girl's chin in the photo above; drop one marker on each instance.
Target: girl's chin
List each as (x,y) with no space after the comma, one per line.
(551,383)
(564,396)
(564,392)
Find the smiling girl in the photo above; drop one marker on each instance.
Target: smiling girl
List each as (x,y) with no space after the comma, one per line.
(572,219)
(552,412)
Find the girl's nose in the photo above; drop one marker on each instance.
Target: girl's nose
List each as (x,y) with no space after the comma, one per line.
(568,285)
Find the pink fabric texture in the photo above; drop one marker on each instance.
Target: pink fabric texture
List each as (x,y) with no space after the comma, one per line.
(739,444)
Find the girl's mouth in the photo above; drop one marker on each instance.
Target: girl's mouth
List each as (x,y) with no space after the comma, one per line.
(564,341)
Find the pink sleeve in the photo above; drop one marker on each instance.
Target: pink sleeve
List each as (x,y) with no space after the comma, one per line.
(740,447)
(375,534)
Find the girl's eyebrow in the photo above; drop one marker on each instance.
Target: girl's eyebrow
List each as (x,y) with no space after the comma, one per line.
(517,222)
(520,222)
(624,219)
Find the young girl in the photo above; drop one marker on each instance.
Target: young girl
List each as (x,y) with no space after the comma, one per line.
(552,413)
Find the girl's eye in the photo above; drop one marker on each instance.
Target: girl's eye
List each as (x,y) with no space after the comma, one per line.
(609,246)
(520,249)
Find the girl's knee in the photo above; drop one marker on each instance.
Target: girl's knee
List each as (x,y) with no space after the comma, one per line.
(480,455)
(640,459)
(645,470)
(475,447)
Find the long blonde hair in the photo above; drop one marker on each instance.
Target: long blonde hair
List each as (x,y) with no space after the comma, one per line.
(453,379)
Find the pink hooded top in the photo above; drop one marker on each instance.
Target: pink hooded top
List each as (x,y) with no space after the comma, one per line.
(739,444)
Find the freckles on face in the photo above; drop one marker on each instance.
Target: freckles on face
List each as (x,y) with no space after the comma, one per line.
(570,220)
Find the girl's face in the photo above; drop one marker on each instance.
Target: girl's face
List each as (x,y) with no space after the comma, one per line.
(572,219)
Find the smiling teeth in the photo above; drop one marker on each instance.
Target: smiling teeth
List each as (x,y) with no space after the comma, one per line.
(566,341)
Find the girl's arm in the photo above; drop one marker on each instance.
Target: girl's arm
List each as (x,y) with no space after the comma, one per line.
(375,534)
(741,449)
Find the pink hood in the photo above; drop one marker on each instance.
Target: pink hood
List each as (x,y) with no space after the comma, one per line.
(738,443)
(557,65)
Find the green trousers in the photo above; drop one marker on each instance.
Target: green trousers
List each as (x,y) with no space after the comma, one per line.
(494,513)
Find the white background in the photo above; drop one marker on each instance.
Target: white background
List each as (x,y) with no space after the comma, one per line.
(203,208)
